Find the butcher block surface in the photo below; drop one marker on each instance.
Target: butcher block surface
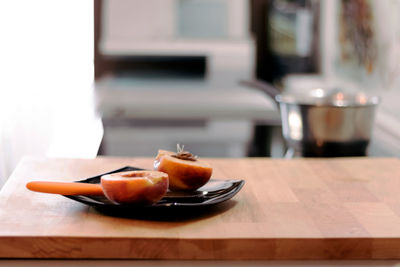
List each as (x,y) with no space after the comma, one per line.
(344,208)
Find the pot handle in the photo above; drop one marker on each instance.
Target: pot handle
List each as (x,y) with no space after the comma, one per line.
(263,86)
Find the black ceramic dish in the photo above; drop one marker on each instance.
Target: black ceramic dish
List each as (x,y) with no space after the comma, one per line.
(214,192)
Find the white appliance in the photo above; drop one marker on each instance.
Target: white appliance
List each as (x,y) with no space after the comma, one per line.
(216,29)
(212,116)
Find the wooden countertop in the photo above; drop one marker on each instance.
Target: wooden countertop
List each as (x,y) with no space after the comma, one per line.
(345,208)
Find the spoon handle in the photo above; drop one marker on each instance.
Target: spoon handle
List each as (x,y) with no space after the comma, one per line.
(65,188)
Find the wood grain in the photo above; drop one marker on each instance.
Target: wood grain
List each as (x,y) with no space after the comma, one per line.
(347,208)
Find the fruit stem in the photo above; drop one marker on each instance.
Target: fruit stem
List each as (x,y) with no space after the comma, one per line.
(184,155)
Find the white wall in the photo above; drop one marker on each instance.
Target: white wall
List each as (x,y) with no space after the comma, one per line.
(46,70)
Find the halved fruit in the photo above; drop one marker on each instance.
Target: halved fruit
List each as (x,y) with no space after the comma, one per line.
(135,187)
(185,171)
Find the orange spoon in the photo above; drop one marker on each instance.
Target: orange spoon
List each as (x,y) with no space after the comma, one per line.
(65,188)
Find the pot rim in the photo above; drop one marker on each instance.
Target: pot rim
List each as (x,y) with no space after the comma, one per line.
(368,101)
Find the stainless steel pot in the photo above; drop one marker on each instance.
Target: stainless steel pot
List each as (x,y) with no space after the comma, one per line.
(324,122)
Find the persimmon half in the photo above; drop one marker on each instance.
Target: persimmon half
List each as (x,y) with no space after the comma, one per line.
(135,187)
(185,171)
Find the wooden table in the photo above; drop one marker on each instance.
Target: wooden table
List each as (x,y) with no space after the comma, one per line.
(300,209)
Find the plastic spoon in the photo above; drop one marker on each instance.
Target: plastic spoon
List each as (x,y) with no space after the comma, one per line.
(65,188)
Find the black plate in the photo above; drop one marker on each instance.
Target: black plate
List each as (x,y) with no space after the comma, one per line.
(214,192)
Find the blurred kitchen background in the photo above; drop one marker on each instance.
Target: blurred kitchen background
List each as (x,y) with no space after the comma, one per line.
(127,77)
